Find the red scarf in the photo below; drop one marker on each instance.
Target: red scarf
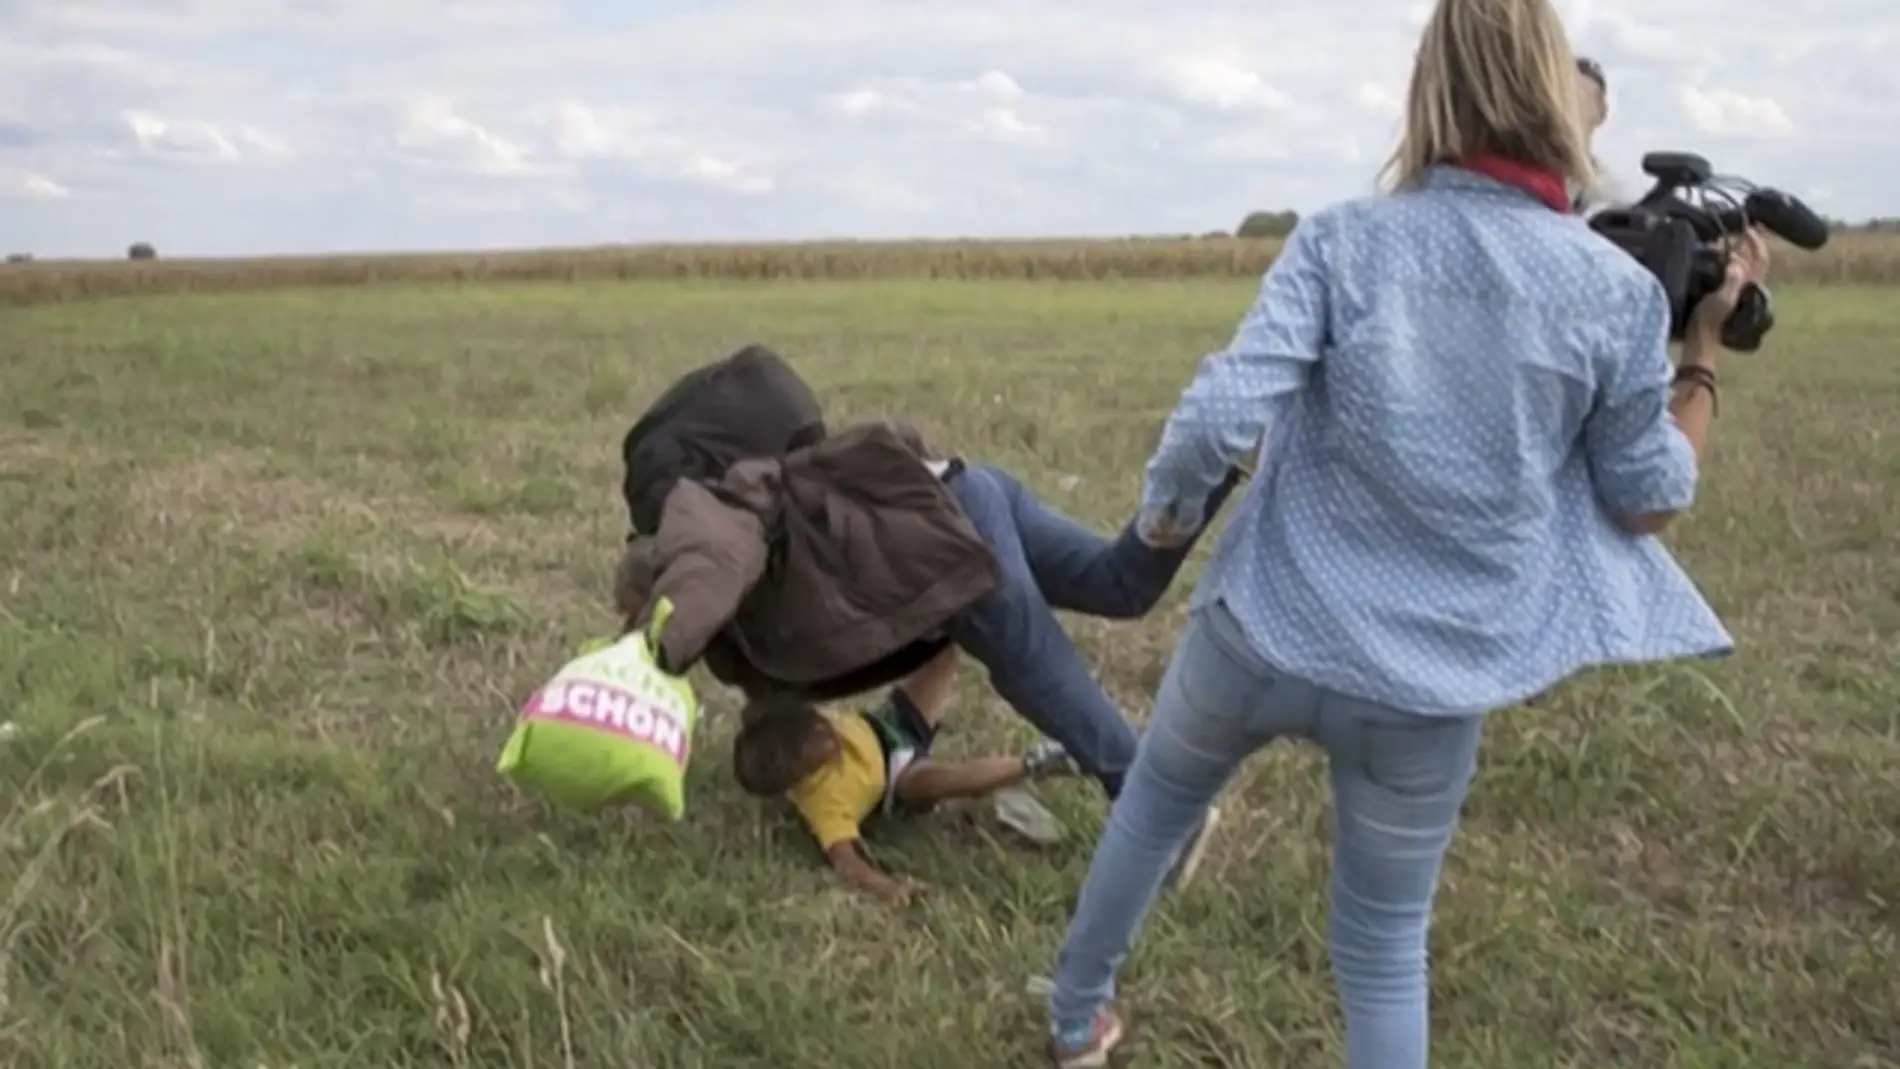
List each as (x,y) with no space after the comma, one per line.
(1546,185)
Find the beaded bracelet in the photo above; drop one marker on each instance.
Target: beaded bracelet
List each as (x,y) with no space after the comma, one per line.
(1697,375)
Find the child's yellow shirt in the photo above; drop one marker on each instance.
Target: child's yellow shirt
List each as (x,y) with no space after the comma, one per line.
(836,797)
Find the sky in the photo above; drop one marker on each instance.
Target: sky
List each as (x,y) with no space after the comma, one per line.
(246,127)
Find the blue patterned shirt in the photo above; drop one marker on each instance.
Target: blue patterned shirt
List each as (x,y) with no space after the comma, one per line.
(1453,391)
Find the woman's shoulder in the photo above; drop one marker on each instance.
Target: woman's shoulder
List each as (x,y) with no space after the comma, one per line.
(1615,277)
(1380,233)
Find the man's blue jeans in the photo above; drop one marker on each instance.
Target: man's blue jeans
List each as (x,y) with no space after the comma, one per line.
(1050,561)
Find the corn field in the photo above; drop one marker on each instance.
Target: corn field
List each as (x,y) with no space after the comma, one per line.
(1849,259)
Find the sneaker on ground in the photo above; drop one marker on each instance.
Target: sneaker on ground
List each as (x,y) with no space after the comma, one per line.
(1048,758)
(1103,1039)
(1022,813)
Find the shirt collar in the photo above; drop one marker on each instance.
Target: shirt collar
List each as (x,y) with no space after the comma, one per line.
(1453,177)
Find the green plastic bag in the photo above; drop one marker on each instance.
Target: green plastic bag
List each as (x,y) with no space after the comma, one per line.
(610,728)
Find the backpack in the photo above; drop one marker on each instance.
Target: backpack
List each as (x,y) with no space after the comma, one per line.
(750,404)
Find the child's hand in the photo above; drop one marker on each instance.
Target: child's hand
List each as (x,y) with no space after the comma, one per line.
(899,891)
(906,891)
(850,863)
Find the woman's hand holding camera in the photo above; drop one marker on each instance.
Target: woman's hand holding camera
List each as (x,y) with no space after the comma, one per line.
(1747,265)
(1693,399)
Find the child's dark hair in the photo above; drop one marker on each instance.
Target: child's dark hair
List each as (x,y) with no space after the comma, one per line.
(773,749)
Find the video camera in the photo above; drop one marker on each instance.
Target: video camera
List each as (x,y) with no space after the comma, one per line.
(1682,230)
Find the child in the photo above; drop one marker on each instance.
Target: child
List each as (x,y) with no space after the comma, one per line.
(841,768)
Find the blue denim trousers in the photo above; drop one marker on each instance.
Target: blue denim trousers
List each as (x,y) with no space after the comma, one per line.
(1399,780)
(1050,561)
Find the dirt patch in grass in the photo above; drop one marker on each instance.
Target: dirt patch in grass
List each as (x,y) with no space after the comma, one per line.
(26,452)
(253,496)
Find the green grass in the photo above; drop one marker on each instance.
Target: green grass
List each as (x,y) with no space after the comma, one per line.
(275,570)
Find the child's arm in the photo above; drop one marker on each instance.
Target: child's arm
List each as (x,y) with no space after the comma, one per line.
(835,827)
(850,863)
(929,688)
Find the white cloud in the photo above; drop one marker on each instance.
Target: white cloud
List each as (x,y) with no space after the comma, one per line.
(1726,113)
(1377,99)
(26,185)
(1631,38)
(546,121)
(862,103)
(193,140)
(996,84)
(1003,124)
(578,133)
(727,175)
(430,131)
(1219,84)
(186,20)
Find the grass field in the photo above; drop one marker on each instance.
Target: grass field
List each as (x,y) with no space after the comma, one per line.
(275,570)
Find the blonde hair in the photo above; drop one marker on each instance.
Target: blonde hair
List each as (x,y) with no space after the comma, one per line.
(1493,76)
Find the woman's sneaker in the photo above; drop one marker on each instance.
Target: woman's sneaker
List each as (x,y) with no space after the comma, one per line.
(1093,1054)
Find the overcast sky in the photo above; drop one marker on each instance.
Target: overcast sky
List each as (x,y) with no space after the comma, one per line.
(217,127)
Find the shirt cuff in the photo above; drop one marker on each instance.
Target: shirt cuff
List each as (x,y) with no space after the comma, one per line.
(1668,487)
(1164,507)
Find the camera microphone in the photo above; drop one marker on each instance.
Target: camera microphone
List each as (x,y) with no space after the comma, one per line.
(1786,216)
(1680,230)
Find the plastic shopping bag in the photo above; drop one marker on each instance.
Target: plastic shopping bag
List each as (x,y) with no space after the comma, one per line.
(610,728)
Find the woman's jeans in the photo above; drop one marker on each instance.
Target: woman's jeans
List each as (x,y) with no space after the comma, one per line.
(1399,780)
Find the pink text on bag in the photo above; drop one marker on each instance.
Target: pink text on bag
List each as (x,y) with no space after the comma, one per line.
(603,705)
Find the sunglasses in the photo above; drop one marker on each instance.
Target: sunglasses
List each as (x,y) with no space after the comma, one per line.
(1592,70)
